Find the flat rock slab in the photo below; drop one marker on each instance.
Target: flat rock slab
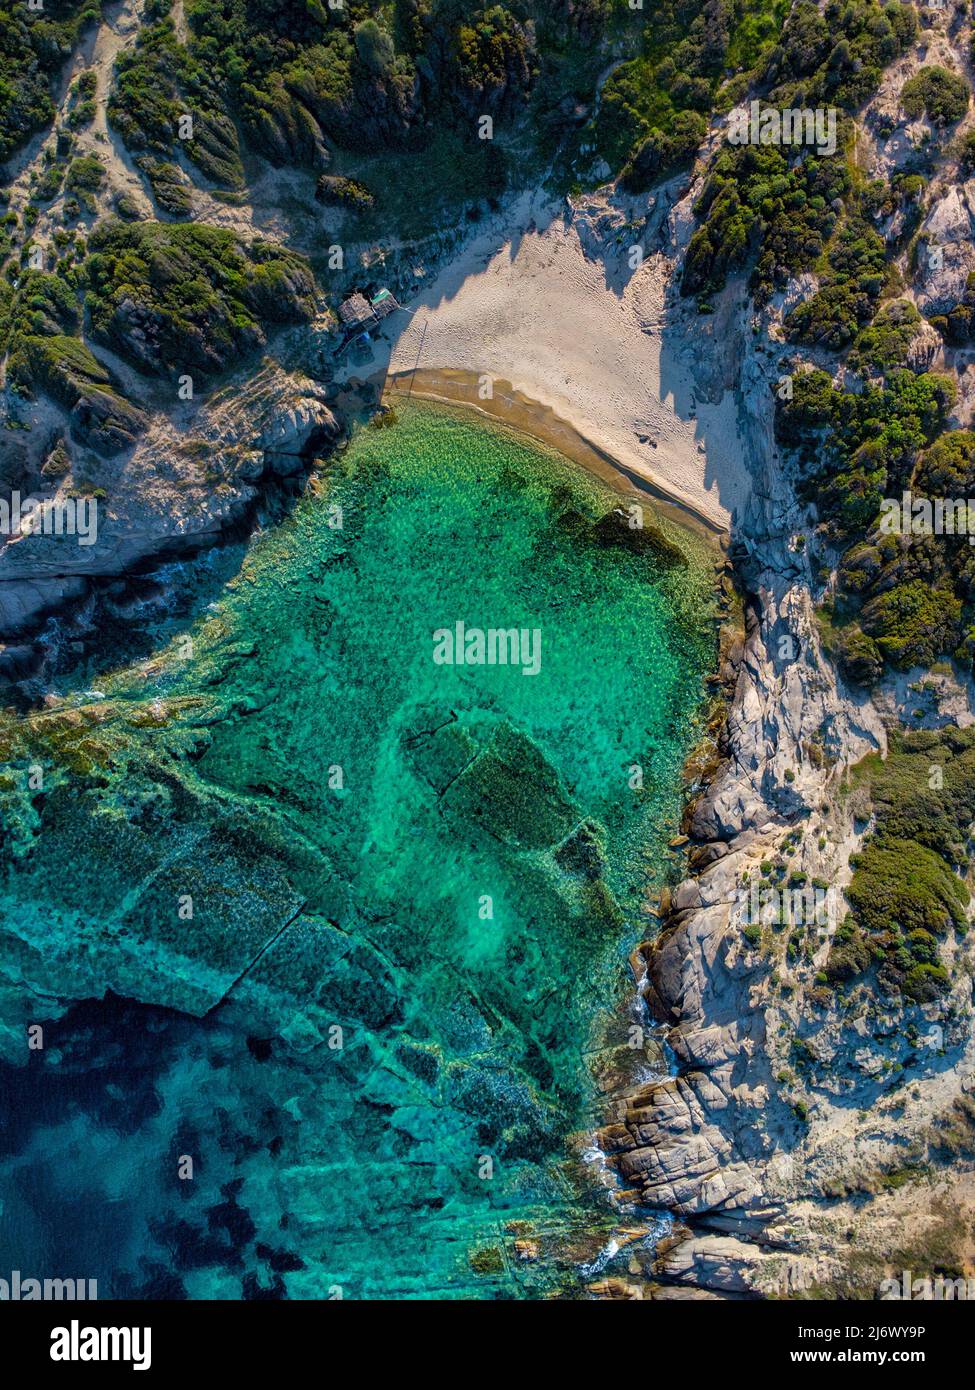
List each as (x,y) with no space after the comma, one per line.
(193,925)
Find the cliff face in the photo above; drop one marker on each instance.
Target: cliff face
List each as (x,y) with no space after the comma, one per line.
(188,479)
(808,1140)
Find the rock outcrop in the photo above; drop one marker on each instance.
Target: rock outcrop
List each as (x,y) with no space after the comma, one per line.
(743,1151)
(182,486)
(947,258)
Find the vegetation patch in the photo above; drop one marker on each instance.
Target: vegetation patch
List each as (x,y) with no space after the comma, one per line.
(344,193)
(191,297)
(165,101)
(935,92)
(81,100)
(45,353)
(777,208)
(901,599)
(34,46)
(905,896)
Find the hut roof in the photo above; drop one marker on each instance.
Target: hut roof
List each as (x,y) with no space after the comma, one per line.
(356,309)
(384,303)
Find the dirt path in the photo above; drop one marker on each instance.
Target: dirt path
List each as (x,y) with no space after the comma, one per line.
(178,15)
(98,52)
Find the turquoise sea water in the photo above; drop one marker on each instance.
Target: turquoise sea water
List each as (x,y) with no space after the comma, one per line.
(363,916)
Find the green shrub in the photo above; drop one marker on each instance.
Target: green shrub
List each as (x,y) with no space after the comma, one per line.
(48,183)
(848,293)
(900,885)
(169,188)
(966,152)
(664,151)
(849,954)
(913,623)
(934,92)
(81,100)
(86,174)
(883,344)
(347,193)
(182,297)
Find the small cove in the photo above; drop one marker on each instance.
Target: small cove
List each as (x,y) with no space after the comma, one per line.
(412,887)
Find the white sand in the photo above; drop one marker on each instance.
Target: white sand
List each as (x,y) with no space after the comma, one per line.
(529,308)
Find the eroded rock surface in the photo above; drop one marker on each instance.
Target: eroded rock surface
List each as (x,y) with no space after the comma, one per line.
(186,481)
(755,1157)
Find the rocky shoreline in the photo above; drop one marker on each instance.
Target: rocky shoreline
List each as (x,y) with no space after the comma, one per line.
(773,1190)
(186,485)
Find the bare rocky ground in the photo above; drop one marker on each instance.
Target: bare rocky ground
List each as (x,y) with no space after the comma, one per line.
(185,483)
(814,1180)
(200,464)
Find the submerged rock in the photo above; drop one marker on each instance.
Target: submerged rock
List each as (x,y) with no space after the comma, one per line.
(583,852)
(510,791)
(616,528)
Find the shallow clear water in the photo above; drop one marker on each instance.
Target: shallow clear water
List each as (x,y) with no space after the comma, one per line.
(399,892)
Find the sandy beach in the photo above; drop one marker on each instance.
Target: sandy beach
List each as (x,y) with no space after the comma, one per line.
(586,338)
(529,416)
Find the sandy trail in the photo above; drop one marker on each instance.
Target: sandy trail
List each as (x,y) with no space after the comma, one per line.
(585,338)
(117,30)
